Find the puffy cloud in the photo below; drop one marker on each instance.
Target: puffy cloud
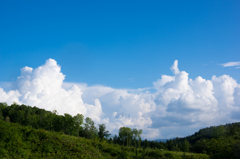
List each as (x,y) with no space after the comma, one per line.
(177,102)
(223,90)
(42,87)
(9,97)
(186,102)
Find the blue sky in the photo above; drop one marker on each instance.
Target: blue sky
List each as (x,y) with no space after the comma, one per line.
(121,45)
(117,41)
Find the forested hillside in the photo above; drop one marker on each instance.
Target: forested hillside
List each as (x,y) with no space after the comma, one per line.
(218,141)
(33,132)
(214,132)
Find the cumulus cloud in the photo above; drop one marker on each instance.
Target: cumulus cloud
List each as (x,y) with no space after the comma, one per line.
(178,101)
(183,101)
(42,87)
(9,97)
(231,64)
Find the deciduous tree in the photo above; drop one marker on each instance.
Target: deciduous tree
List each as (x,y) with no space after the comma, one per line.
(102,131)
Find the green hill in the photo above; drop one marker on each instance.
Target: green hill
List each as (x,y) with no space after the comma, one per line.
(18,141)
(30,132)
(220,142)
(25,142)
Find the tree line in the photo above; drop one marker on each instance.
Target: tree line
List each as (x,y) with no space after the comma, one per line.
(70,125)
(73,125)
(223,140)
(41,119)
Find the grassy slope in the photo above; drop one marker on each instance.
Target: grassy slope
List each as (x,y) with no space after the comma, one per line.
(25,142)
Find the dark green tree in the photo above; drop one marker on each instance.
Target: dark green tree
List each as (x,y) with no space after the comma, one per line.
(136,135)
(185,146)
(78,121)
(68,124)
(125,134)
(102,131)
(90,131)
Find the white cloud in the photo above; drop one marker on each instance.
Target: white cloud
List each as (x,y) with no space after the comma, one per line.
(177,102)
(183,101)
(9,97)
(42,87)
(231,64)
(174,67)
(224,87)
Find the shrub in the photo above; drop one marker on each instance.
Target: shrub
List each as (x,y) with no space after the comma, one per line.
(169,155)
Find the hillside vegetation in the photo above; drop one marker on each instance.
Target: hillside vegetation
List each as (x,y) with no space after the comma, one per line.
(30,132)
(25,142)
(220,142)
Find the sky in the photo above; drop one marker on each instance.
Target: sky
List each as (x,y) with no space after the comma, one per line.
(167,67)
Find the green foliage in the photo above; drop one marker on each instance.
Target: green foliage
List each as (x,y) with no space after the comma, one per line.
(220,142)
(7,119)
(25,142)
(42,119)
(102,132)
(185,146)
(37,139)
(125,134)
(211,132)
(90,131)
(1,115)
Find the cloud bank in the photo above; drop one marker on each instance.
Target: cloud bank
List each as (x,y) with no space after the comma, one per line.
(178,107)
